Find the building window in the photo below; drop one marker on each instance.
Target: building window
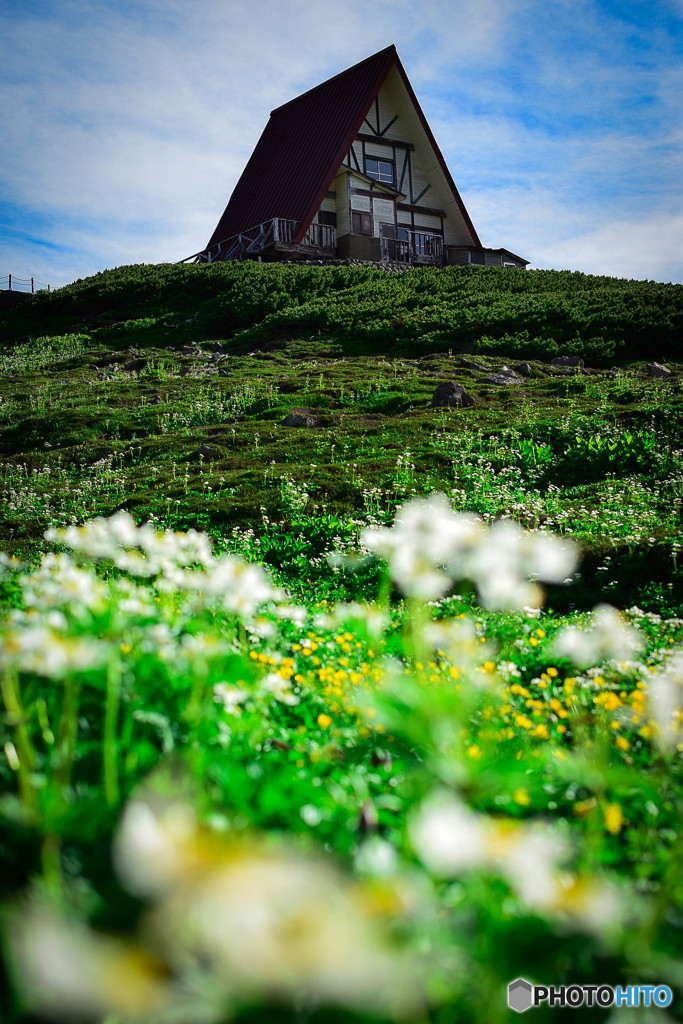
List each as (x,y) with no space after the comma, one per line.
(361,223)
(380,170)
(327,217)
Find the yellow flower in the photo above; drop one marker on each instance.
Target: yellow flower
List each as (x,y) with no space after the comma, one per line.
(521,797)
(609,701)
(614,818)
(583,807)
(622,743)
(324,721)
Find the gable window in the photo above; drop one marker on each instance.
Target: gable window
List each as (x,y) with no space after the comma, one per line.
(361,223)
(380,170)
(327,217)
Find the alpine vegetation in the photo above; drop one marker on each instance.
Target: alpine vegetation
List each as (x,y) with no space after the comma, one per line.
(321,701)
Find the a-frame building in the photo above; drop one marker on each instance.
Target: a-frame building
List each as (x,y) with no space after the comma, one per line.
(350,170)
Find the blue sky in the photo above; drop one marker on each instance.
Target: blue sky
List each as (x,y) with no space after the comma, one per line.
(124,124)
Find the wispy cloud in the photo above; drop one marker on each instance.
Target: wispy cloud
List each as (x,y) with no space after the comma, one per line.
(126,123)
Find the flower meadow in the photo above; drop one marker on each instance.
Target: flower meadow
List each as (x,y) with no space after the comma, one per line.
(355,722)
(229,805)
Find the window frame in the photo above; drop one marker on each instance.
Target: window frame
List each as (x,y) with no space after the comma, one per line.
(364,218)
(377,177)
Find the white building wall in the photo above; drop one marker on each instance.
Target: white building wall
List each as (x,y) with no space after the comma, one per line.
(341,188)
(383,213)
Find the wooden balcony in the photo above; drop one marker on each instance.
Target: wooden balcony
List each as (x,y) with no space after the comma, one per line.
(417,247)
(272,239)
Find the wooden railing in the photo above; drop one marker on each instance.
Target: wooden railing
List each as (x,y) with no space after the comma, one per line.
(256,239)
(418,247)
(12,283)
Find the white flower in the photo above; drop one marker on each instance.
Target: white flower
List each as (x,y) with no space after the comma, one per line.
(426,535)
(451,840)
(608,637)
(665,701)
(230,697)
(528,858)
(269,922)
(430,546)
(154,848)
(60,583)
(67,971)
(42,650)
(376,857)
(277,687)
(447,836)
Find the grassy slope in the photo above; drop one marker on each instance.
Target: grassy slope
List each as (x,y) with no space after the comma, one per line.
(110,413)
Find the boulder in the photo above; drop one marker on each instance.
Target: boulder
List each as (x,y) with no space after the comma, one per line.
(135,365)
(501,377)
(567,361)
(470,364)
(525,369)
(206,452)
(657,370)
(451,394)
(299,418)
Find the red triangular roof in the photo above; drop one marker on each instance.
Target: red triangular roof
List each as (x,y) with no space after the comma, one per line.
(303,146)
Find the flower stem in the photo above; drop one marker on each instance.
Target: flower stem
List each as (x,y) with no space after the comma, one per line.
(111,717)
(24,748)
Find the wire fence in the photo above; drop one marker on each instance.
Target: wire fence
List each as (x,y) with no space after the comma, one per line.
(12,283)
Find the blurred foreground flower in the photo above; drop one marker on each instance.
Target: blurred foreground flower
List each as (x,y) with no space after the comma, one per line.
(226,581)
(45,651)
(430,546)
(269,921)
(67,971)
(609,636)
(665,702)
(451,840)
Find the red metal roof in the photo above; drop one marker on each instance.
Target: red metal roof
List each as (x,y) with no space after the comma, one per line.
(303,146)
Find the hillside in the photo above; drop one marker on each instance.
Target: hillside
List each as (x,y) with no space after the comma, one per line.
(163,389)
(535,314)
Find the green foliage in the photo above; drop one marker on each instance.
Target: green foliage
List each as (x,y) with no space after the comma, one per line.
(535,314)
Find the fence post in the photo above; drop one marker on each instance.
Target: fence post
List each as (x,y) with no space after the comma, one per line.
(10,282)
(33,290)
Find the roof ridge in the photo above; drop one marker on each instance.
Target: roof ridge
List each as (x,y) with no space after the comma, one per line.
(346,71)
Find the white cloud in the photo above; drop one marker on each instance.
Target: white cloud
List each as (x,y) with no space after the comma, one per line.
(126,125)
